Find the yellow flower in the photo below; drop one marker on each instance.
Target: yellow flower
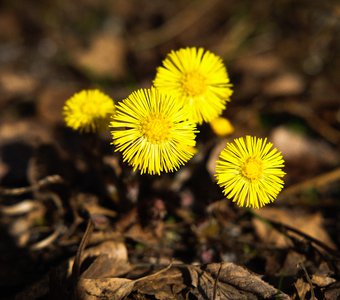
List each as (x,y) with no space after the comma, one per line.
(152,132)
(198,79)
(221,126)
(249,170)
(88,111)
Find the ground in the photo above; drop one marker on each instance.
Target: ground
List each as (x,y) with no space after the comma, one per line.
(76,221)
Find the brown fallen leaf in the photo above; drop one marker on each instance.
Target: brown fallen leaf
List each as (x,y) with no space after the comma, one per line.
(243,279)
(322,280)
(28,131)
(298,149)
(165,284)
(51,101)
(224,281)
(105,57)
(259,65)
(212,281)
(284,85)
(291,264)
(111,260)
(104,288)
(211,163)
(90,203)
(9,24)
(311,224)
(15,83)
(302,288)
(332,291)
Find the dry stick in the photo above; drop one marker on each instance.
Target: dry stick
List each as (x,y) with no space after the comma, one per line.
(168,267)
(27,189)
(316,182)
(308,279)
(231,42)
(319,125)
(216,281)
(49,239)
(77,259)
(283,227)
(59,227)
(51,179)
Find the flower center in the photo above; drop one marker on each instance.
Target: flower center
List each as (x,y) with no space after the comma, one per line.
(156,128)
(93,110)
(193,83)
(252,168)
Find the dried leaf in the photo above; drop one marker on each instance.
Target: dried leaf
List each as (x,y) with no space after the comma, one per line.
(298,149)
(28,131)
(165,284)
(285,84)
(142,235)
(211,163)
(9,24)
(222,281)
(311,224)
(302,288)
(16,83)
(104,289)
(322,280)
(225,281)
(111,261)
(260,65)
(243,279)
(332,291)
(51,101)
(291,264)
(205,286)
(105,57)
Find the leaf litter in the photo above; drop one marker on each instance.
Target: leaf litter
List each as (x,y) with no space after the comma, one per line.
(174,237)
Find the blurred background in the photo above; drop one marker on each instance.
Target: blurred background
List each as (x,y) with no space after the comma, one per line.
(282,57)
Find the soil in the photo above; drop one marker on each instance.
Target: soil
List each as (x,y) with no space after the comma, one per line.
(77,222)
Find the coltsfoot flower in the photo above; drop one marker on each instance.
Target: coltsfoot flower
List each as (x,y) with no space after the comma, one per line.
(250,170)
(152,132)
(88,111)
(198,79)
(221,126)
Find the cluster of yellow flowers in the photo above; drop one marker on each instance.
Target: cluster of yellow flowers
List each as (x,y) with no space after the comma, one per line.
(155,128)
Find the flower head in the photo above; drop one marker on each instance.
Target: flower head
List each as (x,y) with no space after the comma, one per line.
(221,126)
(152,132)
(198,79)
(88,110)
(250,171)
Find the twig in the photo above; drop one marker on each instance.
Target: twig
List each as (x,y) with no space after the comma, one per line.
(216,281)
(77,259)
(283,227)
(48,240)
(52,179)
(309,280)
(311,117)
(179,23)
(168,267)
(315,182)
